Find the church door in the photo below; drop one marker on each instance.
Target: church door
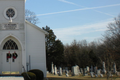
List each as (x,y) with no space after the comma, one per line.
(10,58)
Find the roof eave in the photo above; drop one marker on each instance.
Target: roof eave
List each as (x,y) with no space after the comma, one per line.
(45,32)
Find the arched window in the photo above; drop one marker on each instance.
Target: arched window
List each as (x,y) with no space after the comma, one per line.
(10,45)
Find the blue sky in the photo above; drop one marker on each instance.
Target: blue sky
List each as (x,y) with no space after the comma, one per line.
(75,19)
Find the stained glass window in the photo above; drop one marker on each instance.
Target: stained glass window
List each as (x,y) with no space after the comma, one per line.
(10,13)
(10,45)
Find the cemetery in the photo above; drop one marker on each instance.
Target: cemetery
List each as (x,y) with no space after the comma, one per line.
(87,73)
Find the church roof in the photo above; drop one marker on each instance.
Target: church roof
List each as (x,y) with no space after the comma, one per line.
(45,32)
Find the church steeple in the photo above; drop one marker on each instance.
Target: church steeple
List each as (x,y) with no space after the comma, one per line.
(14,9)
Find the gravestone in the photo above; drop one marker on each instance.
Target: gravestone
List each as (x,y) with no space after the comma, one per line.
(92,74)
(114,68)
(75,71)
(104,70)
(47,72)
(96,75)
(55,70)
(88,69)
(52,66)
(110,74)
(101,75)
(66,73)
(91,70)
(95,69)
(78,70)
(60,71)
(63,70)
(85,72)
(81,70)
(98,72)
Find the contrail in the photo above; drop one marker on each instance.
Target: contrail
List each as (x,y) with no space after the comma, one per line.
(104,13)
(84,7)
(68,2)
(75,10)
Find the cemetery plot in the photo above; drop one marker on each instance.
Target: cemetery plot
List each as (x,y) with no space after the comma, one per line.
(87,73)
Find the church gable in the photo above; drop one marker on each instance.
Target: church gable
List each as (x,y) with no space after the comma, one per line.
(36,27)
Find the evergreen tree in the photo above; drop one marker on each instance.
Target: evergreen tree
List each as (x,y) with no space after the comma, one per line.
(50,38)
(54,49)
(56,53)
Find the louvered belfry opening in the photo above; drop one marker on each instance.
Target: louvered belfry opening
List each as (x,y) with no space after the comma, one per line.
(10,45)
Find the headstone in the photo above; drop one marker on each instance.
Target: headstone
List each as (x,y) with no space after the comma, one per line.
(91,70)
(96,75)
(63,71)
(114,68)
(85,72)
(81,70)
(47,72)
(104,71)
(110,74)
(98,72)
(88,69)
(75,71)
(92,74)
(67,75)
(95,69)
(52,70)
(78,70)
(55,70)
(60,71)
(101,75)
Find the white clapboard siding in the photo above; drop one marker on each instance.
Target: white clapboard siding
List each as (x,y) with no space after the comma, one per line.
(35,47)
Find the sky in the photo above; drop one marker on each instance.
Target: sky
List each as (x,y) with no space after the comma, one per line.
(75,19)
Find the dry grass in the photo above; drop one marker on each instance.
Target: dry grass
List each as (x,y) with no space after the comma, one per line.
(80,77)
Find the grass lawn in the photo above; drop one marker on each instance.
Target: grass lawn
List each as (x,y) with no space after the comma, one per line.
(80,77)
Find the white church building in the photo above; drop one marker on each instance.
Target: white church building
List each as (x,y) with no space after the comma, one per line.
(22,44)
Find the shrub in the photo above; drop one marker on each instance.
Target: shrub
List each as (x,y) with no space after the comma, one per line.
(39,74)
(28,76)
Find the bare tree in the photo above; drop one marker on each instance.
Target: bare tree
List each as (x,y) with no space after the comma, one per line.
(112,45)
(112,38)
(31,17)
